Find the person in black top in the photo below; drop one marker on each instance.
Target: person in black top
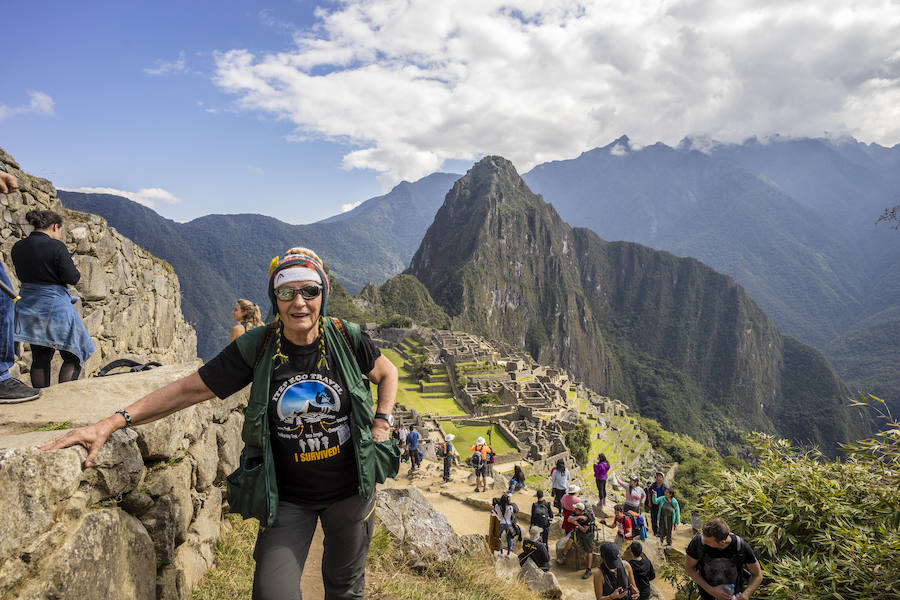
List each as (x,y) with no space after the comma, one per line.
(314,424)
(12,391)
(541,514)
(642,569)
(45,316)
(533,548)
(717,558)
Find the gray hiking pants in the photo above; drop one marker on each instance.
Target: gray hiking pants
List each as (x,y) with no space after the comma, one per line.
(281,549)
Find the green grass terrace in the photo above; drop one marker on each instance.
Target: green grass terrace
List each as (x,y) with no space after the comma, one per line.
(408,394)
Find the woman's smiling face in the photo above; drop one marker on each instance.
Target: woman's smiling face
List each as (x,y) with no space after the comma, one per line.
(299,315)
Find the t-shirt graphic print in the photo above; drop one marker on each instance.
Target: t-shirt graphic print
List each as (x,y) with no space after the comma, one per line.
(309,411)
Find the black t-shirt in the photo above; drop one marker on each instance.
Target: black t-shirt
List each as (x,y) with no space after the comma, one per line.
(643,575)
(40,258)
(309,418)
(721,567)
(536,551)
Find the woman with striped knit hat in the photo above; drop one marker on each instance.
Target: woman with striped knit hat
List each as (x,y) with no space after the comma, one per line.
(314,447)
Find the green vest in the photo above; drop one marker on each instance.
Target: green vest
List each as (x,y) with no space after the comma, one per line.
(253,487)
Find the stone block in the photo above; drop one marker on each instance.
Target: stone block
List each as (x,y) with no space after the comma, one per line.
(108,554)
(118,468)
(543,583)
(424,533)
(162,521)
(34,487)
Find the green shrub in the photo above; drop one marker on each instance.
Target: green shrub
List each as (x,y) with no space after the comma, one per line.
(821,529)
(579,442)
(487,399)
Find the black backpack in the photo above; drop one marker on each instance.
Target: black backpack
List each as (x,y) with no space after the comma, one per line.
(476,459)
(540,514)
(739,558)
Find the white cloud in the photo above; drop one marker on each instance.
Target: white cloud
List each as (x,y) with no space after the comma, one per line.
(409,84)
(39,104)
(169,67)
(146,196)
(350,206)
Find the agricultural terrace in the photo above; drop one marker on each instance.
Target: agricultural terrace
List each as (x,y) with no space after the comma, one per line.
(435,400)
(467,434)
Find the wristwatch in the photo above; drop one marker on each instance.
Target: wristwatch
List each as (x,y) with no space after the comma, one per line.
(385,417)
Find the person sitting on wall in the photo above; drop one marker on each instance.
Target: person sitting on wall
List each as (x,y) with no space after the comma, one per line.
(534,549)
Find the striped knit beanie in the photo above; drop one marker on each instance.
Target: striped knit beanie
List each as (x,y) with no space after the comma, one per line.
(298,257)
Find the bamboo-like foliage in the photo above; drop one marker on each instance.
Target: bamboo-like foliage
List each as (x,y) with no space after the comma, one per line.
(821,529)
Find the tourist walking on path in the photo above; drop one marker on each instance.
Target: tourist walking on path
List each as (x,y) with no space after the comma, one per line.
(541,513)
(307,389)
(246,315)
(669,514)
(601,472)
(12,391)
(505,512)
(559,482)
(479,463)
(448,455)
(623,525)
(716,559)
(46,318)
(614,579)
(658,489)
(412,446)
(642,569)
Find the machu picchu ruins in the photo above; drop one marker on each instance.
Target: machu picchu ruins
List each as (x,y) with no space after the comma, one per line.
(498,388)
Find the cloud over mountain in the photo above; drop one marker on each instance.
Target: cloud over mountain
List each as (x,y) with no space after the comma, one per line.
(412,83)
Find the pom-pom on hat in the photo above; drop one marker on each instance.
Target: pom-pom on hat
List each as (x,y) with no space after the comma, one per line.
(303,258)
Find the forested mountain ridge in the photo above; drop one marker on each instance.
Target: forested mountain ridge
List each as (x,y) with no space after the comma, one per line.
(792,220)
(220,258)
(668,335)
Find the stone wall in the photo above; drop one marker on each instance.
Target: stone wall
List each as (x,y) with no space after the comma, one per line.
(130,300)
(140,524)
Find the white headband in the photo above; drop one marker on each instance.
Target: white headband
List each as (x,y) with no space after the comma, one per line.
(293,274)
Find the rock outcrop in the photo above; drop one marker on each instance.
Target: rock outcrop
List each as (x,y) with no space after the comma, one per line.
(130,300)
(142,523)
(424,534)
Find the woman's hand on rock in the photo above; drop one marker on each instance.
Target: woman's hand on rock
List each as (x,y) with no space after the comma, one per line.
(92,437)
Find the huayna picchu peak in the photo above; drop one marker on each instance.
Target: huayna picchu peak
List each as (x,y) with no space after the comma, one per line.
(677,340)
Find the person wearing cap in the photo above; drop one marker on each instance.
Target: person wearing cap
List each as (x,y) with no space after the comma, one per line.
(534,549)
(448,455)
(614,580)
(480,466)
(635,496)
(313,446)
(582,533)
(568,503)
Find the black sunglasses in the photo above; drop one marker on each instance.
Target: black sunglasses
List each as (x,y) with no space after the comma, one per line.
(307,292)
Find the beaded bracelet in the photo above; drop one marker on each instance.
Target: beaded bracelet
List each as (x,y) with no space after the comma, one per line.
(125,415)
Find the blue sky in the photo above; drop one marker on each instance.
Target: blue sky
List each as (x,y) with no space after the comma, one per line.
(296,109)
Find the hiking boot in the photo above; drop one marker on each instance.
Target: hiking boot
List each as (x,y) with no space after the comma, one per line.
(587,573)
(13,391)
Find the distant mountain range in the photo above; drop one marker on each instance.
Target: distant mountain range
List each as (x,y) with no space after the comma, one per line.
(220,258)
(792,220)
(669,336)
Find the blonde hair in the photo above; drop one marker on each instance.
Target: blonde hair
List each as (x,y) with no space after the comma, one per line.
(250,312)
